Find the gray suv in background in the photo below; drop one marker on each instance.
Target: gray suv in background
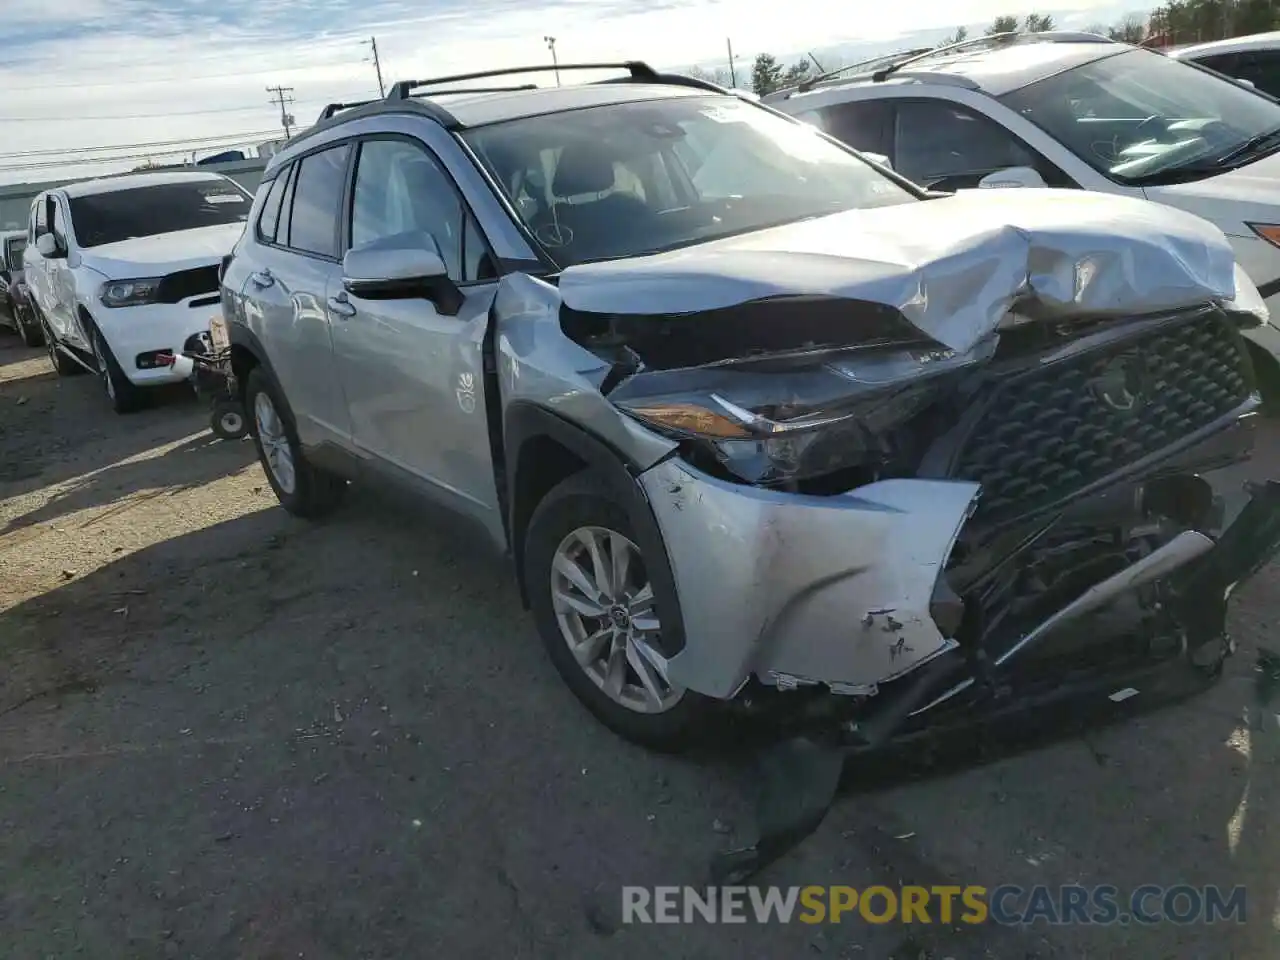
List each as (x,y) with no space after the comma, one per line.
(764,427)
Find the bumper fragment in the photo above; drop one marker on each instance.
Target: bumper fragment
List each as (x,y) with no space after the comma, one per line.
(798,589)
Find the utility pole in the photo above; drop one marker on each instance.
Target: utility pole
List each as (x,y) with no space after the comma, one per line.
(551,45)
(377,66)
(733,73)
(286,118)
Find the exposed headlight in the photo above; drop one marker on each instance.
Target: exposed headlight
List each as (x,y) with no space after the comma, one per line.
(773,424)
(1269,232)
(130,293)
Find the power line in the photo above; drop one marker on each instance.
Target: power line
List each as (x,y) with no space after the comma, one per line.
(181,80)
(157,144)
(62,118)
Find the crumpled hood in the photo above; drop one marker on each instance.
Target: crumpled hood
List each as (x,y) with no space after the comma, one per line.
(955,267)
(164,253)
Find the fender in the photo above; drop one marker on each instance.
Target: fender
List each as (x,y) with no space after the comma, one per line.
(241,336)
(525,422)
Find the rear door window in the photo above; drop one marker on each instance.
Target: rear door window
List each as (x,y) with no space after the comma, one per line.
(313,220)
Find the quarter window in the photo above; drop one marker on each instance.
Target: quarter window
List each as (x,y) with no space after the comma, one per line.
(313,221)
(270,216)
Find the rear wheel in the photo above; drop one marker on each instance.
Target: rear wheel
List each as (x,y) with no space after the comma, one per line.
(595,608)
(302,489)
(28,328)
(123,396)
(63,365)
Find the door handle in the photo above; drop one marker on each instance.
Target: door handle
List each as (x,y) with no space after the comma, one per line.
(262,278)
(341,306)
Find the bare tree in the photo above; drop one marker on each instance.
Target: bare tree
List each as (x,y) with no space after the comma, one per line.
(1132,29)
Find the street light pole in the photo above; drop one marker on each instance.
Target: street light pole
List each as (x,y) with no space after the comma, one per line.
(551,45)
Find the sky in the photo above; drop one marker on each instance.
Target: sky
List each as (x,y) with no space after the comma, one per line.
(144,79)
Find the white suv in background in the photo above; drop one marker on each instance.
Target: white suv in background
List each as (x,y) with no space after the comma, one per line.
(124,270)
(1077,111)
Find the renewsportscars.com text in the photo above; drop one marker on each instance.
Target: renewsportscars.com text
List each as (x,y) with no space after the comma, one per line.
(1007,905)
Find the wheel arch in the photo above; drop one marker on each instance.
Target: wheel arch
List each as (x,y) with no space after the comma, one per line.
(541,450)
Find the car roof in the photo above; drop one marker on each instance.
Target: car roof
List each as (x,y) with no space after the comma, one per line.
(1256,41)
(997,70)
(132,181)
(479,109)
(455,107)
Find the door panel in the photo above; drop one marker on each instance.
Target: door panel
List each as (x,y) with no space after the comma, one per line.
(63,286)
(285,306)
(413,380)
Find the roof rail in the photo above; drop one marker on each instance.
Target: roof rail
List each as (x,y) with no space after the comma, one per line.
(998,39)
(639,70)
(804,86)
(333,108)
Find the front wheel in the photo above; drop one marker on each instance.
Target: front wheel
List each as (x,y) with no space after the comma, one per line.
(302,489)
(598,618)
(123,396)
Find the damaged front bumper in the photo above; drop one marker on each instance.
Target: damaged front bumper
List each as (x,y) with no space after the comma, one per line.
(845,594)
(801,590)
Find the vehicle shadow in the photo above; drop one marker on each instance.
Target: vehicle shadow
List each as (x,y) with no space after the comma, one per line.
(183,466)
(399,647)
(56,429)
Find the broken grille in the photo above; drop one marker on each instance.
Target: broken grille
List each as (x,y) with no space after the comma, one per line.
(1049,433)
(176,287)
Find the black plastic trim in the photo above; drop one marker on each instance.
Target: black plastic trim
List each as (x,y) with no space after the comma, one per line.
(525,422)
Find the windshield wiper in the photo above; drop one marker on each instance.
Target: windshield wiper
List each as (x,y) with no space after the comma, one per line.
(1252,145)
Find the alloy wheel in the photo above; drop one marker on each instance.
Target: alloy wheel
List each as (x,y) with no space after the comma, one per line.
(104,371)
(275,443)
(604,605)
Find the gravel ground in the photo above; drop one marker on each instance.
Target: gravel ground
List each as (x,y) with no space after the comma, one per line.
(228,733)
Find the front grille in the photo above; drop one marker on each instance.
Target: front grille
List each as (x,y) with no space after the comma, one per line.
(176,287)
(1051,432)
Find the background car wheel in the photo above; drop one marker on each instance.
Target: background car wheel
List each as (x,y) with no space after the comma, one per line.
(123,395)
(28,328)
(229,421)
(63,365)
(301,488)
(595,611)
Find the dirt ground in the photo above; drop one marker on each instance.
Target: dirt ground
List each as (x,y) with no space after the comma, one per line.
(228,733)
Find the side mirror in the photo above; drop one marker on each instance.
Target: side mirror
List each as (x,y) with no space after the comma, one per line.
(401,267)
(879,158)
(47,244)
(1012,177)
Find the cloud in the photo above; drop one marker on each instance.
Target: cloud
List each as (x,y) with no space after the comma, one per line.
(88,79)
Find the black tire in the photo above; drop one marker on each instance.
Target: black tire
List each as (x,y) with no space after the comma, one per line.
(580,501)
(228,421)
(28,328)
(123,396)
(63,365)
(315,492)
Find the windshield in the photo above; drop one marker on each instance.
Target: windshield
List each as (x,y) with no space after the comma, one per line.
(13,248)
(1139,117)
(634,178)
(102,218)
